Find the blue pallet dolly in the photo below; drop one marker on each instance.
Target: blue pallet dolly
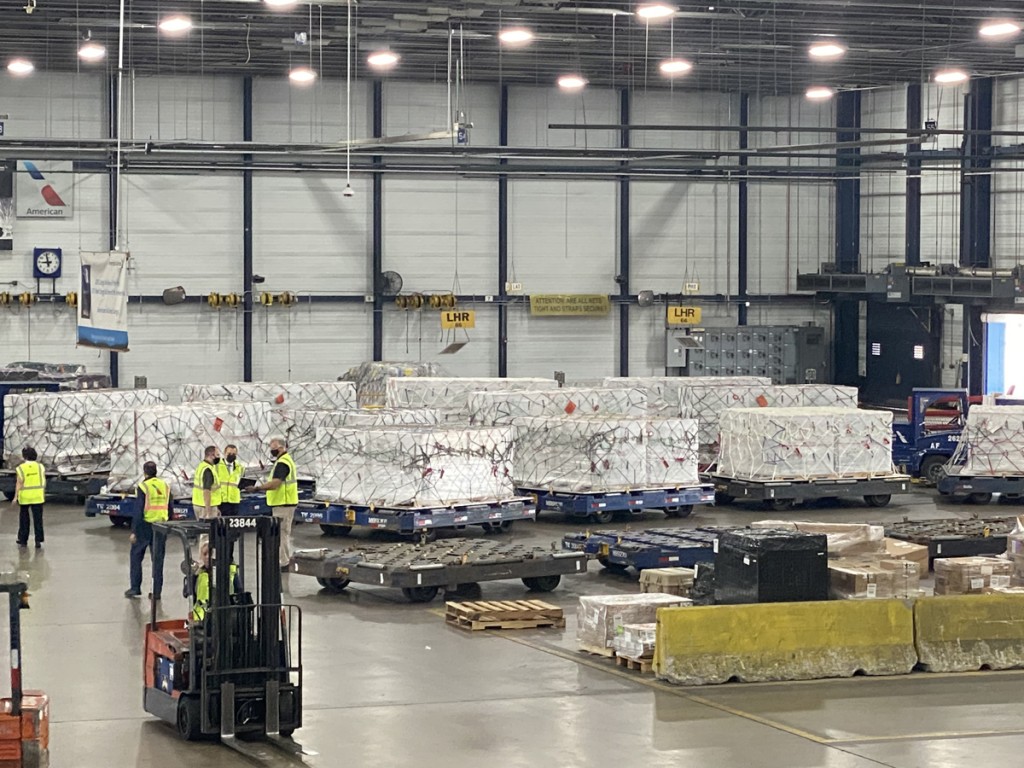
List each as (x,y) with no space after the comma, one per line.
(603,506)
(121,508)
(423,522)
(653,548)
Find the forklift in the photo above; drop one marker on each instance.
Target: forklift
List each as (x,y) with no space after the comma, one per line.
(25,716)
(234,667)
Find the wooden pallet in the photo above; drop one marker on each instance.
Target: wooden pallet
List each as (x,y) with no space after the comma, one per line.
(596,650)
(506,614)
(643,666)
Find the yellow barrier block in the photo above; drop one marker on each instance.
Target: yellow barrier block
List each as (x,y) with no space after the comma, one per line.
(784,641)
(962,633)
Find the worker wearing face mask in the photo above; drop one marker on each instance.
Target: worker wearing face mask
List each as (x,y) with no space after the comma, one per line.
(282,494)
(229,473)
(206,491)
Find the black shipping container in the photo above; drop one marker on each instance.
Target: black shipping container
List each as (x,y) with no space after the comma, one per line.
(767,566)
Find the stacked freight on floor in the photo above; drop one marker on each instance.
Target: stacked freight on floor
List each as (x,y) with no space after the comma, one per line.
(371,379)
(664,393)
(322,395)
(69,430)
(174,436)
(451,395)
(588,455)
(805,443)
(767,566)
(491,408)
(993,440)
(844,539)
(867,578)
(414,466)
(971,575)
(600,618)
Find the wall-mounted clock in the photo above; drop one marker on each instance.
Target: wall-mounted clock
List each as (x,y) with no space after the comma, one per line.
(46,263)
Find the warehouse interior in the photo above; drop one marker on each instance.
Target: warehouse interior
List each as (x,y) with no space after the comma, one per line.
(624,204)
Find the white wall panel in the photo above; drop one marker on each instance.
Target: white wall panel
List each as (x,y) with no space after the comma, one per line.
(683,231)
(285,113)
(940,181)
(531,109)
(441,234)
(883,194)
(562,236)
(1008,184)
(176,108)
(423,108)
(310,342)
(583,348)
(54,106)
(184,230)
(418,336)
(308,237)
(684,108)
(45,332)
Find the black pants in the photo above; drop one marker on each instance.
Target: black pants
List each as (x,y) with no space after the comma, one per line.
(228,508)
(37,523)
(144,539)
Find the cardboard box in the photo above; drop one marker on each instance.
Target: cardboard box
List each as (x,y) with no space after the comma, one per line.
(971,575)
(858,579)
(668,581)
(601,618)
(906,576)
(636,641)
(897,549)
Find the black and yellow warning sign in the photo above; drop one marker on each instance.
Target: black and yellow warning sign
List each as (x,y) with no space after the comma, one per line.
(458,318)
(683,315)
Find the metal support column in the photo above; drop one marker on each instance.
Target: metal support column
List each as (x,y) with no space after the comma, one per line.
(113,127)
(378,226)
(624,242)
(846,339)
(915,121)
(976,216)
(503,238)
(742,263)
(247,266)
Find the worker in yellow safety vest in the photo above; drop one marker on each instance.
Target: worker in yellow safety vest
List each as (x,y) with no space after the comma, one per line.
(282,494)
(153,501)
(30,495)
(206,489)
(229,473)
(202,594)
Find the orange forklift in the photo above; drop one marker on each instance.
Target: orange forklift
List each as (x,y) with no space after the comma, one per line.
(233,669)
(25,716)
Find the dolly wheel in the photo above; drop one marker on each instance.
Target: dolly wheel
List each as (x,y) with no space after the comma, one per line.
(779,505)
(119,521)
(979,498)
(500,527)
(189,718)
(684,510)
(933,469)
(335,530)
(419,594)
(333,584)
(723,498)
(542,583)
(878,499)
(612,567)
(604,516)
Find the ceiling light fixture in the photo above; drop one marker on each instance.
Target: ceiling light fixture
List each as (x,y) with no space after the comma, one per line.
(572,82)
(281,3)
(826,50)
(950,76)
(675,67)
(175,25)
(20,67)
(655,11)
(91,51)
(515,36)
(383,59)
(819,93)
(302,75)
(998,29)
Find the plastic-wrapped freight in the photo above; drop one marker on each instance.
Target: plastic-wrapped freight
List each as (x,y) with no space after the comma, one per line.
(323,395)
(867,578)
(971,575)
(490,408)
(301,428)
(601,618)
(174,436)
(805,443)
(636,641)
(371,378)
(69,430)
(414,466)
(451,395)
(844,539)
(586,455)
(766,566)
(664,393)
(993,440)
(707,402)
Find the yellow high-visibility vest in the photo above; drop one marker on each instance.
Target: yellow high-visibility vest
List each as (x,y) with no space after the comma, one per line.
(229,476)
(33,483)
(197,486)
(286,494)
(158,500)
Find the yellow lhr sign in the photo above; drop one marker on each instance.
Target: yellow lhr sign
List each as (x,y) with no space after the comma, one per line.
(458,318)
(683,315)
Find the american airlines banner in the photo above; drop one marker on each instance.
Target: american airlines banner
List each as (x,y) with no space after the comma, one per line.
(45,190)
(103,301)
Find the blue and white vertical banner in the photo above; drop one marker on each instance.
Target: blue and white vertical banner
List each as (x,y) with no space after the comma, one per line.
(103,300)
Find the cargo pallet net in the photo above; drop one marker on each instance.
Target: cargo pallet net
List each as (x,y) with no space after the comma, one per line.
(371,378)
(992,442)
(451,395)
(326,395)
(489,408)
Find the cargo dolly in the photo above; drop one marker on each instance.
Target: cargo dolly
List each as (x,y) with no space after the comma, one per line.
(780,495)
(338,519)
(602,506)
(79,486)
(120,508)
(421,570)
(979,489)
(620,550)
(955,537)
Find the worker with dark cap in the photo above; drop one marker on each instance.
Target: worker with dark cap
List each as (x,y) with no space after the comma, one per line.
(30,495)
(152,503)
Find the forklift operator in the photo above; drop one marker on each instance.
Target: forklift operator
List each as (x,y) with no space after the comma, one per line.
(202,592)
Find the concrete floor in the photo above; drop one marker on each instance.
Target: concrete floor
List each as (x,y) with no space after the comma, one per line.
(388,684)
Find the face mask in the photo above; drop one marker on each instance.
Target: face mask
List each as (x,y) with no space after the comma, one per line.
(231,458)
(216,460)
(275,452)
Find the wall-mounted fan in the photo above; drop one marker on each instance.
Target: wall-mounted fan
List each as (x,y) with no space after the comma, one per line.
(389,283)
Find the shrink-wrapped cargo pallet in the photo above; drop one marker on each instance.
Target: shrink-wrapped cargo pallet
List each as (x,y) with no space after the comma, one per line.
(805,443)
(664,393)
(324,395)
(69,430)
(371,378)
(993,440)
(769,566)
(589,455)
(451,395)
(414,466)
(971,575)
(490,408)
(636,641)
(174,436)
(869,578)
(600,619)
(844,539)
(707,402)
